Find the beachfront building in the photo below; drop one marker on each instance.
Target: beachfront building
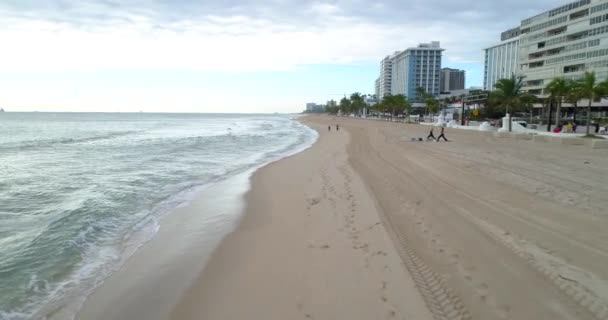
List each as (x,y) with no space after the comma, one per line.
(417,67)
(377,88)
(564,42)
(500,60)
(451,80)
(386,76)
(313,107)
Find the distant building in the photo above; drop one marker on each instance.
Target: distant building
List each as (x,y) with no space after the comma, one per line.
(500,60)
(386,76)
(417,67)
(510,34)
(451,79)
(377,88)
(313,107)
(370,101)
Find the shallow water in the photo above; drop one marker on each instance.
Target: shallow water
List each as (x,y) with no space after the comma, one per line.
(75,188)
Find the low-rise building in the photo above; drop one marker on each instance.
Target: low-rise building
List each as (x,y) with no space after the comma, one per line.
(451,79)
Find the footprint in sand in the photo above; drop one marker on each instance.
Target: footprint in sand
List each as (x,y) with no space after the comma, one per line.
(313,202)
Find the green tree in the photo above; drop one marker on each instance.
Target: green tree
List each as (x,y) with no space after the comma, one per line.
(345,106)
(593,91)
(508,94)
(357,103)
(558,89)
(420,94)
(432,105)
(573,95)
(396,104)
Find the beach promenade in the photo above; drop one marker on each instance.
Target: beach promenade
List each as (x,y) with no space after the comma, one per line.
(369,225)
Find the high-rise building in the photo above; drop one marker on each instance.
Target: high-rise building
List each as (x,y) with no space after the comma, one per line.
(501,60)
(386,76)
(377,88)
(564,42)
(417,67)
(451,79)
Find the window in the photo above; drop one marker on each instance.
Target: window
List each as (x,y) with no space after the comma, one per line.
(567,7)
(598,30)
(579,14)
(594,43)
(597,53)
(537,64)
(556,31)
(548,23)
(599,8)
(574,68)
(598,19)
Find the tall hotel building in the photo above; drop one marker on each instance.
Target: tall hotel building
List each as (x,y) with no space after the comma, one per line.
(417,67)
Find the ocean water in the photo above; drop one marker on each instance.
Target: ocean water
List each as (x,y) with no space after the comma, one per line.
(76,188)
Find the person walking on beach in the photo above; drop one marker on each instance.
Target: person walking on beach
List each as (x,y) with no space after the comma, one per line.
(431,135)
(328,128)
(337,127)
(442,135)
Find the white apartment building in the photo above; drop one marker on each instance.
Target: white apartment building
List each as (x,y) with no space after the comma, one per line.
(501,60)
(564,42)
(377,88)
(386,76)
(417,67)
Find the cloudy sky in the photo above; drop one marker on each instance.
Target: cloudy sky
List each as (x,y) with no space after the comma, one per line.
(227,56)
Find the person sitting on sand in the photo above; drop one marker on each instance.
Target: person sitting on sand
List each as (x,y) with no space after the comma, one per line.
(431,135)
(442,135)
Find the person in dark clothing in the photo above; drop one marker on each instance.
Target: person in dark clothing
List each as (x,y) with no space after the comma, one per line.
(337,127)
(328,128)
(442,135)
(431,135)
(597,127)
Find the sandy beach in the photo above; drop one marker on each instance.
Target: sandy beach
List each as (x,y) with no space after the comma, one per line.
(369,225)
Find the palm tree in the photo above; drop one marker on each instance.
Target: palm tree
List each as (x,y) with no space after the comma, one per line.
(574,95)
(431,105)
(592,91)
(508,94)
(420,94)
(558,89)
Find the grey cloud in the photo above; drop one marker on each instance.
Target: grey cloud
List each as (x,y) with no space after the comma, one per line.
(463,26)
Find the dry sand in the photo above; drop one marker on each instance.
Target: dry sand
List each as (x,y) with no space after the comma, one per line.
(368,225)
(310,246)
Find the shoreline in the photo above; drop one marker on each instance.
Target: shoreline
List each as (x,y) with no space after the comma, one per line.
(305,250)
(181,235)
